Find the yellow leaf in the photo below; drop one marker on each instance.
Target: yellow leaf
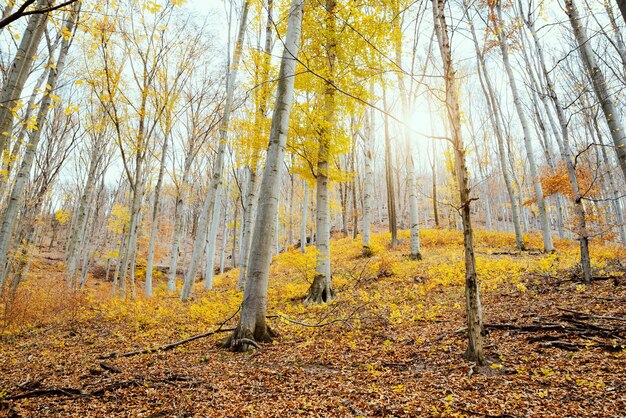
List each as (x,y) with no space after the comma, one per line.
(31,124)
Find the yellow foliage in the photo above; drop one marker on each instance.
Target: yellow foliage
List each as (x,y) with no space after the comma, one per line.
(62,215)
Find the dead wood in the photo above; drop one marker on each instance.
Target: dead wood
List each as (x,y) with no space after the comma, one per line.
(165,347)
(175,344)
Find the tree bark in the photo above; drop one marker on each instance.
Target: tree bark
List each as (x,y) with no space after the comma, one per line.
(391,199)
(548,245)
(208,208)
(368,185)
(19,71)
(321,290)
(16,198)
(611,113)
(472,292)
(252,322)
(155,211)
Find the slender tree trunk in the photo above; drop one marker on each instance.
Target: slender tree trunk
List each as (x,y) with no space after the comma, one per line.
(252,322)
(216,179)
(321,290)
(17,193)
(118,264)
(78,227)
(368,185)
(224,237)
(178,225)
(254,166)
(19,71)
(414,246)
(614,190)
(353,187)
(305,211)
(599,83)
(391,199)
(548,245)
(472,293)
(155,214)
(566,153)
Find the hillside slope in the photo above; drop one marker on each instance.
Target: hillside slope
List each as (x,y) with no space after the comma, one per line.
(390,345)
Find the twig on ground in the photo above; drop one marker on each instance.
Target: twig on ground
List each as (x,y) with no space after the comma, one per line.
(173,345)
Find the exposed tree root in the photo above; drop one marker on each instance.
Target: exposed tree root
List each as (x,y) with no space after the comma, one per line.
(415,257)
(243,340)
(320,292)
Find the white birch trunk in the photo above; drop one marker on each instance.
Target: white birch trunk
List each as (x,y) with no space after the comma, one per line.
(19,71)
(611,113)
(155,215)
(548,245)
(252,322)
(17,193)
(216,178)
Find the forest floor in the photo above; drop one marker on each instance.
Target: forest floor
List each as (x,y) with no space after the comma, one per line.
(391,344)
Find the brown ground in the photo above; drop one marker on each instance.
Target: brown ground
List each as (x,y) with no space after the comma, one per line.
(369,364)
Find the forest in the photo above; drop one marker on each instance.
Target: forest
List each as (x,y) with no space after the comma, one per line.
(333,208)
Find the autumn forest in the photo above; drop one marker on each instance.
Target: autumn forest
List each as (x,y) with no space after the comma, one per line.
(333,208)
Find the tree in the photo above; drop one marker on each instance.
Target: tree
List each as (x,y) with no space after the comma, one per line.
(609,109)
(548,245)
(9,218)
(472,292)
(252,327)
(495,119)
(321,290)
(214,189)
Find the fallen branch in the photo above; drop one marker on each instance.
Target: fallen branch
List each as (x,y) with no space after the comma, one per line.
(165,347)
(173,345)
(94,392)
(345,320)
(304,324)
(46,392)
(593,316)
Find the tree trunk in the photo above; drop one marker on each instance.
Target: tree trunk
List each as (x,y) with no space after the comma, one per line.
(247,223)
(368,185)
(17,193)
(566,153)
(321,290)
(305,211)
(414,246)
(391,199)
(77,231)
(252,322)
(155,213)
(472,292)
(177,231)
(548,245)
(599,83)
(19,72)
(216,179)
(211,241)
